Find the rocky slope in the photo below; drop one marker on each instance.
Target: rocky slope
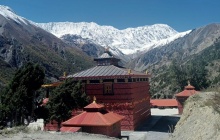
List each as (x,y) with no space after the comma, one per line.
(85,45)
(21,42)
(181,48)
(200,118)
(92,49)
(200,45)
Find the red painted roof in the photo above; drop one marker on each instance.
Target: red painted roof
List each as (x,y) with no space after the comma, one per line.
(189,87)
(93,119)
(94,105)
(96,118)
(70,129)
(163,102)
(187,93)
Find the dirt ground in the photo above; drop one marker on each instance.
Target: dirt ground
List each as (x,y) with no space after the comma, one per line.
(41,135)
(155,128)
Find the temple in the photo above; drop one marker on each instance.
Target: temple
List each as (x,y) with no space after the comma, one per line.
(95,119)
(184,95)
(123,91)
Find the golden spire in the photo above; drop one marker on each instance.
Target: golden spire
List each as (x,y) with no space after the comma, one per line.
(94,99)
(146,72)
(129,71)
(64,74)
(188,83)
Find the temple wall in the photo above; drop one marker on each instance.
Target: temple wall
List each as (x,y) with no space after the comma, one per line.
(181,101)
(112,130)
(131,100)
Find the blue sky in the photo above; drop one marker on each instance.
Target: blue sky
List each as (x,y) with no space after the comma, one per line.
(181,15)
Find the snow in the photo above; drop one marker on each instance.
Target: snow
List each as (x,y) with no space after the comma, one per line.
(165,41)
(127,40)
(8,13)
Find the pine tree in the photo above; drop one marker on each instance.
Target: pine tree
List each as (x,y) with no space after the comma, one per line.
(64,99)
(18,98)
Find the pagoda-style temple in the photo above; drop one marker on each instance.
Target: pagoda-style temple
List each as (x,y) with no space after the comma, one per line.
(184,95)
(123,91)
(95,119)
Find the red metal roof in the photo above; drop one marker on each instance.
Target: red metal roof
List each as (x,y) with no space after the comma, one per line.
(94,105)
(70,129)
(163,102)
(189,87)
(186,93)
(93,119)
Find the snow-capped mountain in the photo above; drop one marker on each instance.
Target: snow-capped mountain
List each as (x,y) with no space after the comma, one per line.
(128,40)
(166,41)
(8,13)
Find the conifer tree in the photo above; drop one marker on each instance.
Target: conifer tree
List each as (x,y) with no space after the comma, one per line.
(64,99)
(17,101)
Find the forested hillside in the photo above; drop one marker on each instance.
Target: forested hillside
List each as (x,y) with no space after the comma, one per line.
(202,70)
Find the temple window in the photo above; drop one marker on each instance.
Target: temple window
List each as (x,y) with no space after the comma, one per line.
(94,81)
(121,80)
(108,90)
(129,80)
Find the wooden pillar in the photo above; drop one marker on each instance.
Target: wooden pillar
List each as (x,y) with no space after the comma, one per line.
(126,80)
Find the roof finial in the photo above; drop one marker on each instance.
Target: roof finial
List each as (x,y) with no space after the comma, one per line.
(94,99)
(188,83)
(129,71)
(146,72)
(64,74)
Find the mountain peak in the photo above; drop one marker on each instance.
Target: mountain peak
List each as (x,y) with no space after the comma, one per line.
(127,40)
(8,13)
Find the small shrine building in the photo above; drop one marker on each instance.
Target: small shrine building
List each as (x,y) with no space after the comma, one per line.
(184,95)
(95,119)
(121,90)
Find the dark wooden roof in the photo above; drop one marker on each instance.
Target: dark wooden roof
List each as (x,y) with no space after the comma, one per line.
(107,71)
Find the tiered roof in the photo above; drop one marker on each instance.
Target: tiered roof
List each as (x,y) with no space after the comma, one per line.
(92,118)
(188,91)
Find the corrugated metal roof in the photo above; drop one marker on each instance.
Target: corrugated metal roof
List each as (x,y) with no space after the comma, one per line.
(110,70)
